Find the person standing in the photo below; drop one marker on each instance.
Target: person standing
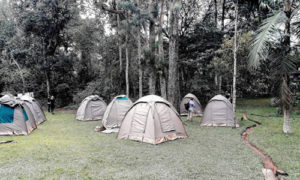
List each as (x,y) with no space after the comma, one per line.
(191,109)
(228,96)
(49,104)
(52,104)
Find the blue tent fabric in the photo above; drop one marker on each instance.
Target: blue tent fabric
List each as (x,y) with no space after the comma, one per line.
(6,114)
(122,98)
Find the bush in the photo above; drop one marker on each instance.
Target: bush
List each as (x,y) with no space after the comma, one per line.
(93,88)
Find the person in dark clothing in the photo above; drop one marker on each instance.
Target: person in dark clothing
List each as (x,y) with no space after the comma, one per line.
(49,104)
(52,100)
(228,96)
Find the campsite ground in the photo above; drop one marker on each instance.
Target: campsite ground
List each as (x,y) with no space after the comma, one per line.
(63,148)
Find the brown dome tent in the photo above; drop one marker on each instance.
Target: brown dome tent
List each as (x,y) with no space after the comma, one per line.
(116,111)
(197,109)
(218,112)
(91,108)
(153,120)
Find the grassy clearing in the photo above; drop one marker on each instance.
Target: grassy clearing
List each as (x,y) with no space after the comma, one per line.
(63,148)
(284,149)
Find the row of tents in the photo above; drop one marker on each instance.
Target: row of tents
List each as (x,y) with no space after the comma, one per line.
(152,119)
(19,115)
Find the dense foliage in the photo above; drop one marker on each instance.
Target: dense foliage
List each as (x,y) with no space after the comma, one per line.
(73,49)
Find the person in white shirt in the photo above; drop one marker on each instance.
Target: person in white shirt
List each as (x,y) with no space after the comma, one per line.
(191,109)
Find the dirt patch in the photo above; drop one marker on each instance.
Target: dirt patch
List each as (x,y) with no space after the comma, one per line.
(267,160)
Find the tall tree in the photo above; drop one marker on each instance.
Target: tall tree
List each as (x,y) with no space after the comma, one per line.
(223,15)
(235,57)
(162,69)
(45,19)
(173,52)
(216,13)
(152,35)
(127,56)
(139,56)
(283,59)
(119,36)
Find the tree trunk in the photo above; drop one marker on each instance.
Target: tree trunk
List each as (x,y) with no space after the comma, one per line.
(127,66)
(48,83)
(86,65)
(152,69)
(139,46)
(287,43)
(286,121)
(140,64)
(162,74)
(223,14)
(216,13)
(119,40)
(173,61)
(235,58)
(216,79)
(22,77)
(220,84)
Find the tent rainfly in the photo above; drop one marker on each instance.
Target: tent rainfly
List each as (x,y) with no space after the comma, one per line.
(186,99)
(116,111)
(91,108)
(218,112)
(152,120)
(14,118)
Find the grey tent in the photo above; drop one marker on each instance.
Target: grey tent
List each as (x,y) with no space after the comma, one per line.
(35,108)
(91,108)
(197,109)
(14,118)
(116,111)
(153,120)
(218,112)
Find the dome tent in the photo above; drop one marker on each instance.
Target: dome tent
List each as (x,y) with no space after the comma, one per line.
(218,112)
(116,111)
(35,108)
(14,118)
(91,108)
(197,109)
(153,120)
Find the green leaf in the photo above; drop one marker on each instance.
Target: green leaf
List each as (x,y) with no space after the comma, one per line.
(266,32)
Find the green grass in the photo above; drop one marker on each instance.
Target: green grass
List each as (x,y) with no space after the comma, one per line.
(284,149)
(63,148)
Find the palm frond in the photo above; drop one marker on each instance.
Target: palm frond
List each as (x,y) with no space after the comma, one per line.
(265,33)
(297,23)
(265,4)
(284,65)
